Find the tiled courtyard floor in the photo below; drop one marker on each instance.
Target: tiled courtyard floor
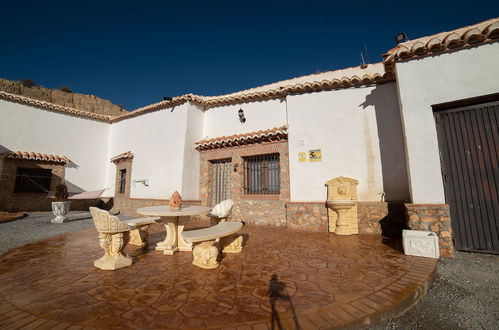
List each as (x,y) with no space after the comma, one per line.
(282,279)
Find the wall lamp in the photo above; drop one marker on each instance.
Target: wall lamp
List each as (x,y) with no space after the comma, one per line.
(242,119)
(401,37)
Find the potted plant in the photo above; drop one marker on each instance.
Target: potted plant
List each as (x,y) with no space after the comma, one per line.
(61,205)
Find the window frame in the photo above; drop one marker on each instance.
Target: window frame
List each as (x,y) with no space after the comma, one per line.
(262,175)
(122,187)
(38,183)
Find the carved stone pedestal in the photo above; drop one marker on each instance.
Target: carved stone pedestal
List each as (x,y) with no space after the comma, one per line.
(140,236)
(231,244)
(60,210)
(205,255)
(113,237)
(114,257)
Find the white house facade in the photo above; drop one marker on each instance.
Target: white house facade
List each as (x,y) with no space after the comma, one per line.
(273,148)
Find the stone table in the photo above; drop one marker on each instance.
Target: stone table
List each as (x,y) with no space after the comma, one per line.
(174,221)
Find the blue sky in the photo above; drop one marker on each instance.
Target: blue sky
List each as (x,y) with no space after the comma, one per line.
(135,53)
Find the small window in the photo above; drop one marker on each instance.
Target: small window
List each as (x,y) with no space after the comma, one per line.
(122,181)
(262,175)
(32,180)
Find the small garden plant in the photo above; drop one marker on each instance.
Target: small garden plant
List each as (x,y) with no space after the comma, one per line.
(61,192)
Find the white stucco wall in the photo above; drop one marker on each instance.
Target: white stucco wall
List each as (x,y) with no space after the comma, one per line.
(344,125)
(433,80)
(83,141)
(223,121)
(191,170)
(158,141)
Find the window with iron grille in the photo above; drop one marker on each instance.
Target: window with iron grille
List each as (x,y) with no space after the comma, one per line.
(262,175)
(122,181)
(32,180)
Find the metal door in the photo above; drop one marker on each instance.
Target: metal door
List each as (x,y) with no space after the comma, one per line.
(469,150)
(222,170)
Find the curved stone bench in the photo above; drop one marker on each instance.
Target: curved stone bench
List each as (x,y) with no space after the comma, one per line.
(139,234)
(205,254)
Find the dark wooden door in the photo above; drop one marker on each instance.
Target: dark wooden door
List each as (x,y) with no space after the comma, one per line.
(469,152)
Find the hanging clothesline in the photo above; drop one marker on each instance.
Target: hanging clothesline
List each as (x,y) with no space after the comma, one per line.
(83,195)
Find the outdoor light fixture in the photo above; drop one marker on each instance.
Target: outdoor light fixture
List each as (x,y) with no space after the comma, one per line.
(401,37)
(242,119)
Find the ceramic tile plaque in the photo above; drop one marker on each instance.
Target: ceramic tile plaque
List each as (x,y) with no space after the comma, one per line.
(315,155)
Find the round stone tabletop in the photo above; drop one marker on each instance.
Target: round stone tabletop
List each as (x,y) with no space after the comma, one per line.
(166,211)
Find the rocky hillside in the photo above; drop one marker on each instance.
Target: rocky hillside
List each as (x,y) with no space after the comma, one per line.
(90,103)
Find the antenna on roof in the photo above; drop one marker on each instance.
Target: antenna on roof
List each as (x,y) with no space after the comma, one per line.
(367,55)
(364,63)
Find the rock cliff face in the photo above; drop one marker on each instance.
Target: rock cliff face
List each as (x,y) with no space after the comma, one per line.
(90,103)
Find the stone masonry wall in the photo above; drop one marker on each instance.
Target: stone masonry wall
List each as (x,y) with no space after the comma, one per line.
(11,201)
(384,218)
(370,214)
(307,216)
(374,217)
(90,103)
(255,209)
(260,212)
(435,218)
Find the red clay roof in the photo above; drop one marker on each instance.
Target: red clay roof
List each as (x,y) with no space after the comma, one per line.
(268,135)
(330,80)
(469,36)
(36,156)
(52,107)
(484,32)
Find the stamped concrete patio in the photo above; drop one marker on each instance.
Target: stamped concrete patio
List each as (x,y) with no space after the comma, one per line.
(282,279)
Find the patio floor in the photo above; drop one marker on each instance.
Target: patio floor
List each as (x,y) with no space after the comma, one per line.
(283,279)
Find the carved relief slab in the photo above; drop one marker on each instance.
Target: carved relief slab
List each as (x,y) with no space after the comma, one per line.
(420,243)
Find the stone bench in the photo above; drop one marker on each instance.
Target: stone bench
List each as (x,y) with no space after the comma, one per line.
(205,254)
(139,234)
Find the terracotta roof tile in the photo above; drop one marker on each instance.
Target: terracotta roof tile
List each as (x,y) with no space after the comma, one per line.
(330,80)
(52,107)
(268,135)
(36,156)
(123,156)
(480,33)
(337,79)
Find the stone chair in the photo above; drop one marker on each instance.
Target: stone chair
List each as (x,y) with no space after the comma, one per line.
(114,235)
(221,211)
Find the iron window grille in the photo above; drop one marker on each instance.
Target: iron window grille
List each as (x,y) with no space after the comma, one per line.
(262,175)
(32,180)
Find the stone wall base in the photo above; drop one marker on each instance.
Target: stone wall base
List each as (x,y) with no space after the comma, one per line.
(307,216)
(260,212)
(380,218)
(435,218)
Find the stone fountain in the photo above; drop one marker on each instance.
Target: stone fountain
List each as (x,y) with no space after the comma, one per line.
(342,202)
